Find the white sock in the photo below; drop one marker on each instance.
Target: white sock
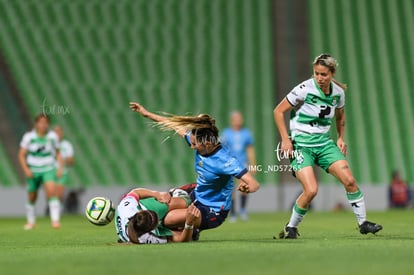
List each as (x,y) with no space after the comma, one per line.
(358,205)
(54,209)
(297,216)
(30,213)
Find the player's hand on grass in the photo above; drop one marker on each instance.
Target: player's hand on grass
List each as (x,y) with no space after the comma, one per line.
(163,197)
(193,213)
(342,146)
(136,107)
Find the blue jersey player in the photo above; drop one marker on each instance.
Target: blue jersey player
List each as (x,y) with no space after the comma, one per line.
(215,167)
(239,141)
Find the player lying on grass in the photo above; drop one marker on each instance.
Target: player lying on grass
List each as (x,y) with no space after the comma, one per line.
(139,217)
(214,165)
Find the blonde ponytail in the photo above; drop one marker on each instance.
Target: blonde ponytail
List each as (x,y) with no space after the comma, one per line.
(201,121)
(340,84)
(203,126)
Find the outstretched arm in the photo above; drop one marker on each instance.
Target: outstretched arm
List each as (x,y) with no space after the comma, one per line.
(248,184)
(23,163)
(340,128)
(143,193)
(136,107)
(278,114)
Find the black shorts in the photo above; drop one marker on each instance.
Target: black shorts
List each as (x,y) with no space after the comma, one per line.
(209,218)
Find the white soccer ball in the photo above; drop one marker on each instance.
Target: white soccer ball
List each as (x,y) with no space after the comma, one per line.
(100,211)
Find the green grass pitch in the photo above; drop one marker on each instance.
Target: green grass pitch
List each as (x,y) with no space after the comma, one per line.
(329,244)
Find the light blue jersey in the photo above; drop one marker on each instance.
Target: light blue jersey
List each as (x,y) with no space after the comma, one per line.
(215,177)
(237,142)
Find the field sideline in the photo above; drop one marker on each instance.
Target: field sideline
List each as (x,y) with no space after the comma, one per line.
(329,244)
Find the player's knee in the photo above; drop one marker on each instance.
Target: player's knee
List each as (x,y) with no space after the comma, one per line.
(32,197)
(349,182)
(311,193)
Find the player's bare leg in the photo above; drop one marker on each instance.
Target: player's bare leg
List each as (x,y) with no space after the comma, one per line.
(30,211)
(340,169)
(60,191)
(306,177)
(54,204)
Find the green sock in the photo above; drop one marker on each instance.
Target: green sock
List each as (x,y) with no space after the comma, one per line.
(297,216)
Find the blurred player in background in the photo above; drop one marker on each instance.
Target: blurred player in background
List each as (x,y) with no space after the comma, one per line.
(239,141)
(398,192)
(68,159)
(39,151)
(140,217)
(316,102)
(214,165)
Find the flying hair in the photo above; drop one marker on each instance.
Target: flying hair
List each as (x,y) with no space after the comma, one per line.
(200,125)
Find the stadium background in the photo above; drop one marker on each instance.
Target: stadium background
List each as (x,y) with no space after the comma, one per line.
(81,62)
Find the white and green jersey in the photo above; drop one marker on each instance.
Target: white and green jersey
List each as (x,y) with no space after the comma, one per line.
(41,151)
(66,151)
(128,207)
(313,111)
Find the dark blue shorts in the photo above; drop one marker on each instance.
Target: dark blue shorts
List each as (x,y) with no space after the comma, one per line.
(209,218)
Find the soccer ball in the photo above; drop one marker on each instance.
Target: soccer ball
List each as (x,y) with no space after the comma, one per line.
(100,211)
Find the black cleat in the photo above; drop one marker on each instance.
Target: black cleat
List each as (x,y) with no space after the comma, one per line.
(369,227)
(196,235)
(289,233)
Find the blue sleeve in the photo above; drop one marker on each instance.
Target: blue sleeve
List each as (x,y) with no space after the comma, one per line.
(233,167)
(187,138)
(241,174)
